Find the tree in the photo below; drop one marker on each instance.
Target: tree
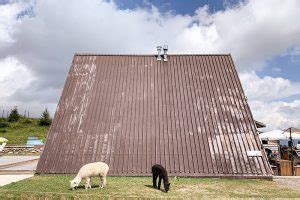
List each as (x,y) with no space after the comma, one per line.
(45,119)
(14,115)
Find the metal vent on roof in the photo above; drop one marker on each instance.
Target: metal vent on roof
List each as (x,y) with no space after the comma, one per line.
(159,55)
(159,48)
(165,52)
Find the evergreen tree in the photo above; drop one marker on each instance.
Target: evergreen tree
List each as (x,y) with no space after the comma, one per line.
(45,119)
(14,115)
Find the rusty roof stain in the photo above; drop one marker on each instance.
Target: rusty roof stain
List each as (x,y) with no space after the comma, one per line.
(189,114)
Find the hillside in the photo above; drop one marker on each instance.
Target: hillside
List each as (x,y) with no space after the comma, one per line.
(18,132)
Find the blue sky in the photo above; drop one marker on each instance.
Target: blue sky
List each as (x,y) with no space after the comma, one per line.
(4,1)
(39,38)
(177,6)
(286,66)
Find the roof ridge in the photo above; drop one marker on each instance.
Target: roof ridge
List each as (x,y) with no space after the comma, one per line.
(92,54)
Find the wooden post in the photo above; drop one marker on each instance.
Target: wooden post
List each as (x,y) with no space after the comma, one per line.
(297,170)
(286,168)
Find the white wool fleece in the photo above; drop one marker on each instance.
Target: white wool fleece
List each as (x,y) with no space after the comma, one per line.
(99,169)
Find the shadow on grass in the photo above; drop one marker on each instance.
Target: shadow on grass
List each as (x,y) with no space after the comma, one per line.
(150,186)
(83,187)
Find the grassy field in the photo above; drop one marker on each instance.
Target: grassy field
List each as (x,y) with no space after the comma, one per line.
(18,132)
(57,187)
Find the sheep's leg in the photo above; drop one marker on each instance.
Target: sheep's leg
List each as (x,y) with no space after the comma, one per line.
(102,182)
(90,185)
(159,182)
(87,183)
(154,177)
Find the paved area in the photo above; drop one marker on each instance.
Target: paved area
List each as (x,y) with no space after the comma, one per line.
(292,182)
(16,168)
(7,179)
(25,166)
(5,160)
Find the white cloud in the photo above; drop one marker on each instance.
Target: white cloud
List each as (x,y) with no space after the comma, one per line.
(277,115)
(267,88)
(14,76)
(259,30)
(252,32)
(44,42)
(8,14)
(264,96)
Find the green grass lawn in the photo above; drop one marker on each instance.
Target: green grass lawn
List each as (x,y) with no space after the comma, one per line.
(57,187)
(18,132)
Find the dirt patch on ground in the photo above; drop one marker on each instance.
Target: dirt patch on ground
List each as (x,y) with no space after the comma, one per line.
(293,183)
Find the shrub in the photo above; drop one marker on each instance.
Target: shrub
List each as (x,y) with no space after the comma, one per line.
(27,121)
(45,120)
(3,125)
(14,115)
(3,119)
(16,125)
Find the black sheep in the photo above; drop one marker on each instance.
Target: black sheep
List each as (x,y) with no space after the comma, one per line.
(160,171)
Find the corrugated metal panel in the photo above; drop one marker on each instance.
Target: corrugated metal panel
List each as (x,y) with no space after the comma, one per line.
(132,111)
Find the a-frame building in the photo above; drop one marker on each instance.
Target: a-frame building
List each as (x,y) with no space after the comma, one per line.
(188,114)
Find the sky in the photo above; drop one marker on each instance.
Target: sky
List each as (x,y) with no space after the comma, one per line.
(39,38)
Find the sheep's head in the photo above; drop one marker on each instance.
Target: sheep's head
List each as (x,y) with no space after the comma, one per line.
(167,187)
(74,184)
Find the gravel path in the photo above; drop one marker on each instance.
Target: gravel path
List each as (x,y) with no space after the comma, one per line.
(293,182)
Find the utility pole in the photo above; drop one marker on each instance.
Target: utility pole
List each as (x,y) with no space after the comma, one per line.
(291,150)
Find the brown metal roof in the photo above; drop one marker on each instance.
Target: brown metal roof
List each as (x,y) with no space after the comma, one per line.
(259,124)
(131,111)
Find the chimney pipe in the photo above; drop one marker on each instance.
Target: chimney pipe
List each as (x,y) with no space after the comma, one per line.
(159,48)
(165,53)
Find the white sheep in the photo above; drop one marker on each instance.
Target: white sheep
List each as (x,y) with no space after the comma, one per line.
(87,171)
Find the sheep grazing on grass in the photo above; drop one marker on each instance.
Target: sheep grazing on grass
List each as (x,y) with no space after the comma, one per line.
(160,172)
(87,171)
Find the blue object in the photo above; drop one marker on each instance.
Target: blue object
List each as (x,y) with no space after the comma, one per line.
(31,141)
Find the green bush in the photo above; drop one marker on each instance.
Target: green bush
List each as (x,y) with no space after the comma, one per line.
(14,115)
(3,125)
(2,131)
(3,119)
(27,121)
(16,125)
(45,120)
